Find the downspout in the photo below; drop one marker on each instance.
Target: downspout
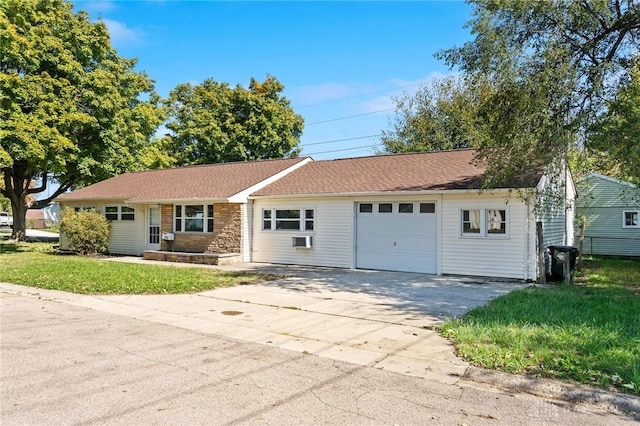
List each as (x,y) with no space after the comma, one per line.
(528,242)
(439,244)
(564,207)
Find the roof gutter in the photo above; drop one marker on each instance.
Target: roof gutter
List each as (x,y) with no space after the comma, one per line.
(388,193)
(178,200)
(82,200)
(149,201)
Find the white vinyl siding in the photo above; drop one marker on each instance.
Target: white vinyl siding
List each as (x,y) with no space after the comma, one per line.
(332,234)
(510,256)
(603,201)
(507,256)
(125,236)
(557,212)
(246,211)
(553,227)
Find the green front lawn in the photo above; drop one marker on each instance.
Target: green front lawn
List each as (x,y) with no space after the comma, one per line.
(587,333)
(38,265)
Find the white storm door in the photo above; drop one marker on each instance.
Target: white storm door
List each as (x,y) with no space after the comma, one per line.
(153,228)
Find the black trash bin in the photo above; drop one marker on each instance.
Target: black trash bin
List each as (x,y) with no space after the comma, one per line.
(557,264)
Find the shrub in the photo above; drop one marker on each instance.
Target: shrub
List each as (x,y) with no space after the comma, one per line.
(86,231)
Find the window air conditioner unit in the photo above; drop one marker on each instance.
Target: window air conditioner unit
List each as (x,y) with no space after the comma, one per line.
(302,241)
(168,236)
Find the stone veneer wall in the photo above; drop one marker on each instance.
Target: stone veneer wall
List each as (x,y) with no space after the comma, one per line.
(226,237)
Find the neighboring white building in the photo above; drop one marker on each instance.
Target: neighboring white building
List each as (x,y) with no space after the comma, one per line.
(408,212)
(612,212)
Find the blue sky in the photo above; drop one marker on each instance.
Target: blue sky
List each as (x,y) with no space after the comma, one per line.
(340,62)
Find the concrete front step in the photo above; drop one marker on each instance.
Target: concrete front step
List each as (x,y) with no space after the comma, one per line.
(197,258)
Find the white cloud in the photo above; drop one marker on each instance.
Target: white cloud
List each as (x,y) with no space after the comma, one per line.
(359,98)
(400,82)
(400,87)
(326,92)
(379,103)
(121,33)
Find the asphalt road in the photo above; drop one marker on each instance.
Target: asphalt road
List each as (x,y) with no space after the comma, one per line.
(63,364)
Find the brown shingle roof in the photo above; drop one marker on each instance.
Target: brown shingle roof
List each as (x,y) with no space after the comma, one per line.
(441,170)
(213,181)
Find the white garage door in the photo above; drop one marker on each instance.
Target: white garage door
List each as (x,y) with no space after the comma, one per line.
(396,236)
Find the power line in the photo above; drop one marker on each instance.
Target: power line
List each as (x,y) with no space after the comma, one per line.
(341,140)
(357,96)
(344,149)
(350,116)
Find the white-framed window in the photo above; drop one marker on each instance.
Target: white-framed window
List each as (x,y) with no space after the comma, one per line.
(483,222)
(193,218)
(84,209)
(401,207)
(631,219)
(496,221)
(405,207)
(288,219)
(427,207)
(126,213)
(471,221)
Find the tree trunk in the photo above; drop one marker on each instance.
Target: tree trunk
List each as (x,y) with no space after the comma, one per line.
(19,221)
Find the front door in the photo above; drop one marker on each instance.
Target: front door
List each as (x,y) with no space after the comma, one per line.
(153,234)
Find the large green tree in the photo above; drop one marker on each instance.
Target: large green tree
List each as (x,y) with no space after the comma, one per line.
(71,110)
(554,67)
(215,123)
(615,139)
(442,114)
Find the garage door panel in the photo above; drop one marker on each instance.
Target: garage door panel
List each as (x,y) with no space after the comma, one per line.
(410,244)
(396,241)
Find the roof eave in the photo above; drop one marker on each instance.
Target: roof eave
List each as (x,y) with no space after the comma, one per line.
(179,200)
(387,193)
(85,199)
(147,201)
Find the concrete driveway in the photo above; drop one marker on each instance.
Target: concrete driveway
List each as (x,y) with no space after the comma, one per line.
(370,318)
(393,297)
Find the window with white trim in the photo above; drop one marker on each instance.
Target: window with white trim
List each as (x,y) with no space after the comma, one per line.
(483,222)
(126,213)
(496,221)
(288,219)
(427,207)
(405,207)
(471,222)
(84,209)
(385,207)
(365,207)
(193,218)
(631,219)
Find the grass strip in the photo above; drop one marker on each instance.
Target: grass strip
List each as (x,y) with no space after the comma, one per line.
(38,265)
(587,333)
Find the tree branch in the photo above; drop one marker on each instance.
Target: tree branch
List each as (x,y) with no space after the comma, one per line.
(616,45)
(587,6)
(41,188)
(46,201)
